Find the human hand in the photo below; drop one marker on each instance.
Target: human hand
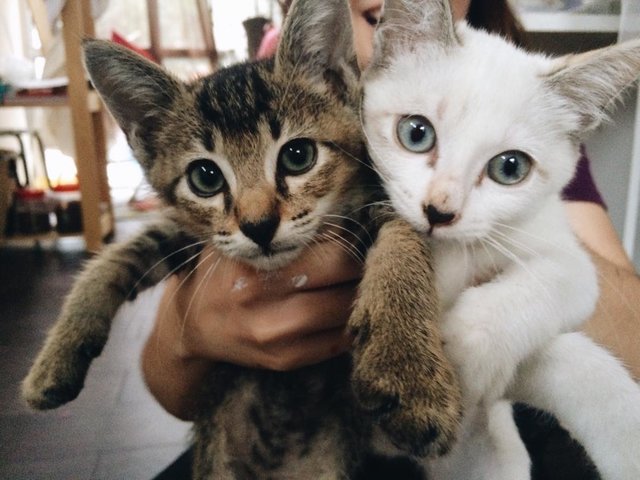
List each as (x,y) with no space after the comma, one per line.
(280,320)
(226,311)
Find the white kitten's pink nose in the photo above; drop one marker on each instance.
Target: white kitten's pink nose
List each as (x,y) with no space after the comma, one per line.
(437,217)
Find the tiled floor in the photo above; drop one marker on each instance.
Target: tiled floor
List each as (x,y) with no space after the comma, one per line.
(114,430)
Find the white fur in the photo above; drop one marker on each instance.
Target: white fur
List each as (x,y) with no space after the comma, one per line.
(491,448)
(512,277)
(592,395)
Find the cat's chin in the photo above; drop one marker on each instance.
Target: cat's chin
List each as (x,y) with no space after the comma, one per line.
(442,235)
(272,261)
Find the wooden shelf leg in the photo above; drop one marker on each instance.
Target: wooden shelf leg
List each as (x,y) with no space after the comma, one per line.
(91,168)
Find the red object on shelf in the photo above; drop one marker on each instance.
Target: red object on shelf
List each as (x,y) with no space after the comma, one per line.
(120,40)
(66,187)
(30,212)
(29,193)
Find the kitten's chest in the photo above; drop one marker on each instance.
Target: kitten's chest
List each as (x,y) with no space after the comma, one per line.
(279,424)
(460,266)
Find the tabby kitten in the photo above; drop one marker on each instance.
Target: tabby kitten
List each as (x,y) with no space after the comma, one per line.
(474,147)
(259,160)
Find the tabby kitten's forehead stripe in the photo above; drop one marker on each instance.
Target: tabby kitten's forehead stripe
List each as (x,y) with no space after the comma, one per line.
(245,100)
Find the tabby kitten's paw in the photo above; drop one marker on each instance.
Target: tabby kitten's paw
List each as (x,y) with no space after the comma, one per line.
(410,392)
(57,376)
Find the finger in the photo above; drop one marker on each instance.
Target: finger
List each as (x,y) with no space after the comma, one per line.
(299,315)
(223,279)
(323,264)
(307,350)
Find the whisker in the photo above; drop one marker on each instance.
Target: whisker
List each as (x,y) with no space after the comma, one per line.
(381,203)
(349,219)
(357,237)
(357,159)
(314,241)
(515,243)
(571,253)
(179,286)
(162,260)
(344,245)
(204,280)
(513,257)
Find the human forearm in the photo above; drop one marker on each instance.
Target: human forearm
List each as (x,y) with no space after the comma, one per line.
(171,375)
(616,322)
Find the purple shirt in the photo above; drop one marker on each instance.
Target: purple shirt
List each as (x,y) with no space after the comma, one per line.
(582,188)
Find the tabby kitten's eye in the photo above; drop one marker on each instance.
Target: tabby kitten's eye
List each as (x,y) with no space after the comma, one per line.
(205,178)
(416,134)
(509,168)
(297,156)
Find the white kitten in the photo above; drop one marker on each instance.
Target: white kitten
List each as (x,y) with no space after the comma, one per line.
(474,140)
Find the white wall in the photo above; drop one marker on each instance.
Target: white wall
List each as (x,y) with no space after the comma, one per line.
(610,152)
(227,22)
(11,43)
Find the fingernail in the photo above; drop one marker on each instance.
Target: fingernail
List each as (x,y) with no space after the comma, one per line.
(239,284)
(299,281)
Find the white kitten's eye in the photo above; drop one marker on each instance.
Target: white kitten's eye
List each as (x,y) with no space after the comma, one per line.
(416,134)
(509,168)
(205,178)
(297,156)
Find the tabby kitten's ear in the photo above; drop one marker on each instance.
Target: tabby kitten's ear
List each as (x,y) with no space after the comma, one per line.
(407,23)
(132,87)
(317,39)
(592,82)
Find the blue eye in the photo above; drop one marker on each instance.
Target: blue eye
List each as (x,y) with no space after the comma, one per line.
(416,134)
(297,156)
(205,178)
(509,168)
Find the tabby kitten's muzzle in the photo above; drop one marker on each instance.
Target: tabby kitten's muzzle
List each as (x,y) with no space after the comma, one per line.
(261,232)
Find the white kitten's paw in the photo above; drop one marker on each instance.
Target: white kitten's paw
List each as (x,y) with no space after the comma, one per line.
(484,363)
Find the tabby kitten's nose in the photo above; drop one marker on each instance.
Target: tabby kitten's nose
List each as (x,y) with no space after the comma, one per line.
(436,217)
(261,232)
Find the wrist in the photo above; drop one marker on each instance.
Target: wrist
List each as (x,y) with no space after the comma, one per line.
(171,371)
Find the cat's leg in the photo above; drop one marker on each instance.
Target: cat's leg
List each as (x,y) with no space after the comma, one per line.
(400,371)
(490,448)
(494,326)
(592,395)
(82,328)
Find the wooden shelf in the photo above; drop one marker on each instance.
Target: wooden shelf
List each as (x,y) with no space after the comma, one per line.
(87,123)
(569,22)
(46,101)
(106,222)
(22,240)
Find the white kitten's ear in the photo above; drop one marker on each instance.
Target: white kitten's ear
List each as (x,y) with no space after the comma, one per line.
(317,39)
(406,23)
(132,87)
(592,82)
